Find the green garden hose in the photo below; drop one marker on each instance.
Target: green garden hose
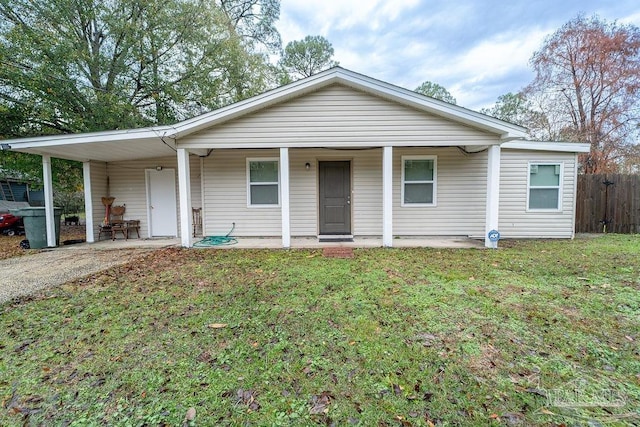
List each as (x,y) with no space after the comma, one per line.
(217,240)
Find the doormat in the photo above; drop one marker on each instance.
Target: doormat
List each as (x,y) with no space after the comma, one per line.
(335,240)
(337,252)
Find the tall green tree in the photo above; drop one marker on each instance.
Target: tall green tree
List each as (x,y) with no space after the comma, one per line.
(510,107)
(254,21)
(434,90)
(70,66)
(303,58)
(518,109)
(84,65)
(587,83)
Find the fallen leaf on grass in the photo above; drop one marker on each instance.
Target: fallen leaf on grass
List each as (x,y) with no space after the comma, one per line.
(21,347)
(513,418)
(320,403)
(189,416)
(403,421)
(205,357)
(538,391)
(217,325)
(397,389)
(248,397)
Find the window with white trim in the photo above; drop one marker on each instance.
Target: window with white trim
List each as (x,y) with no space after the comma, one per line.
(545,182)
(263,182)
(419,180)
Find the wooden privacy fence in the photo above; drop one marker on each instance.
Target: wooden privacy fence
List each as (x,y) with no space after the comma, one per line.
(608,203)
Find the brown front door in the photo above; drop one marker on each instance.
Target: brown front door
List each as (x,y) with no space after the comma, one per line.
(335,198)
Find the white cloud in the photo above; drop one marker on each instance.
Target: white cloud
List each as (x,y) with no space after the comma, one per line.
(477,50)
(631,19)
(490,62)
(320,17)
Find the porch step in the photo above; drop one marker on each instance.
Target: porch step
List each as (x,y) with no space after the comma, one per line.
(335,238)
(337,252)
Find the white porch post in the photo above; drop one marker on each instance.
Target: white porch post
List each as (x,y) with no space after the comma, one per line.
(493,194)
(48,201)
(184,190)
(284,195)
(203,213)
(88,202)
(387,196)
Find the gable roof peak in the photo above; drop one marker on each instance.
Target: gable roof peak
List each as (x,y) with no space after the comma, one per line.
(361,82)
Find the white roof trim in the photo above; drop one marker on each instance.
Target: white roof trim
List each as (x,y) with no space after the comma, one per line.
(569,147)
(84,138)
(364,142)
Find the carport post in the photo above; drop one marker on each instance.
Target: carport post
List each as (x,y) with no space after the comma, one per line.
(48,200)
(88,202)
(184,187)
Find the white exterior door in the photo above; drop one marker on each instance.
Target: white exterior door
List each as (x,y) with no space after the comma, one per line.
(161,198)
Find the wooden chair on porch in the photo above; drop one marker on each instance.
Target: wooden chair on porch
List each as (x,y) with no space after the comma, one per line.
(197,220)
(133,225)
(118,224)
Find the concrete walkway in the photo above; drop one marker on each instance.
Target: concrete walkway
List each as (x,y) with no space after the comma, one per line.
(24,275)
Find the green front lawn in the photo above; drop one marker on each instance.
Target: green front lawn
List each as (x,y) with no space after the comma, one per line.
(535,333)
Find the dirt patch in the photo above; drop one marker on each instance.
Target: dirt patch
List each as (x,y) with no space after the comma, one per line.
(23,275)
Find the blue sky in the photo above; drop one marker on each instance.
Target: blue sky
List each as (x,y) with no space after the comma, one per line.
(477,49)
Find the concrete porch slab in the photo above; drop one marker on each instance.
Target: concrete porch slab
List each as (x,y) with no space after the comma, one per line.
(276,243)
(358,242)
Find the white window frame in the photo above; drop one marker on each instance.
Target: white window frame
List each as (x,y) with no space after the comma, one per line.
(249,183)
(559,186)
(434,182)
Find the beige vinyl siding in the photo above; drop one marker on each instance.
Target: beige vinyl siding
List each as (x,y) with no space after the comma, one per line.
(225,196)
(225,191)
(128,184)
(515,221)
(98,174)
(338,114)
(196,182)
(461,182)
(366,189)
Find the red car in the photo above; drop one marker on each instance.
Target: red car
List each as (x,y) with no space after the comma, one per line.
(10,224)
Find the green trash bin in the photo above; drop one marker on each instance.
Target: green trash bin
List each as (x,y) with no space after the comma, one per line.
(35,225)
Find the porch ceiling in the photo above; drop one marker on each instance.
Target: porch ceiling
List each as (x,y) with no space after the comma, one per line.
(105,151)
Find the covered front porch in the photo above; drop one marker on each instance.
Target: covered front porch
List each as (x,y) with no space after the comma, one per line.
(128,181)
(375,196)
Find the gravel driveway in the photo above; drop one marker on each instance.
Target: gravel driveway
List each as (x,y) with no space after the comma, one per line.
(30,273)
